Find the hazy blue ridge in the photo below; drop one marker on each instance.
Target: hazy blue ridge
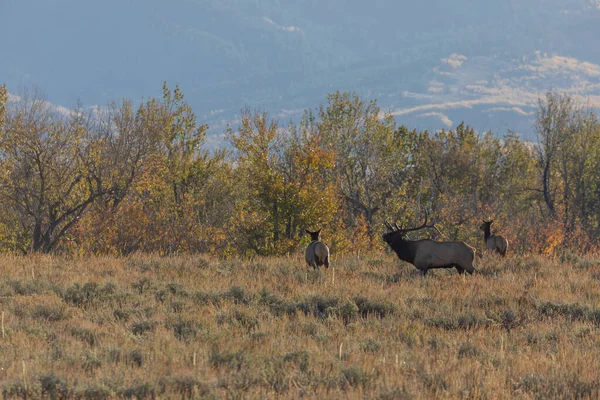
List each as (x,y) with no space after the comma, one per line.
(433,63)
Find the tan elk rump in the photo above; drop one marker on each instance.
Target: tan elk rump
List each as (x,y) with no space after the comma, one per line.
(495,243)
(317,252)
(426,254)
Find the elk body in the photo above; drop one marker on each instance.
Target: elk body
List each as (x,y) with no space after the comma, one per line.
(428,254)
(317,252)
(493,242)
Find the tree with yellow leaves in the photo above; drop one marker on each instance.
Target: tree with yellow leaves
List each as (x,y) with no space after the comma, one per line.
(284,176)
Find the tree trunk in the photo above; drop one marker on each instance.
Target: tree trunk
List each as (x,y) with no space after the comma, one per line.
(546,189)
(275,223)
(37,237)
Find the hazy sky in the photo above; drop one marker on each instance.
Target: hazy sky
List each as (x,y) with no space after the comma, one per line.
(433,63)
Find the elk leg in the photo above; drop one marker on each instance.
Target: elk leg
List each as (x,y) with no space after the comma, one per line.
(470,268)
(459,269)
(423,272)
(326,262)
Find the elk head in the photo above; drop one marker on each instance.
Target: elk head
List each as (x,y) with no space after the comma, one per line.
(487,225)
(314,236)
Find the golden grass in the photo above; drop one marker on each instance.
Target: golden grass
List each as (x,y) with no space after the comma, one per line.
(196,327)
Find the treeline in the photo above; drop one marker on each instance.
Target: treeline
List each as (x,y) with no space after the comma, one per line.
(127,178)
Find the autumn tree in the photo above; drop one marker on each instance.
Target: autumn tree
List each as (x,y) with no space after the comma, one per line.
(182,197)
(284,175)
(307,168)
(58,166)
(125,178)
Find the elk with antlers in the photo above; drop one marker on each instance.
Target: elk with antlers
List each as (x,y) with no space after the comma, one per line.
(493,242)
(427,254)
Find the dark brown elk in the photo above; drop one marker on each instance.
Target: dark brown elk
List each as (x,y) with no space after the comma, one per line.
(426,254)
(493,242)
(317,252)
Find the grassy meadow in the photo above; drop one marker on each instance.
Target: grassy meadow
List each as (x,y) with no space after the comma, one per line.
(195,327)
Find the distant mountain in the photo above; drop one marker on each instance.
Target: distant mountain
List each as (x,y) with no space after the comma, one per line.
(433,63)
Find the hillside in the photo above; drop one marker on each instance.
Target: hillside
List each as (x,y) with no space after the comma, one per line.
(283,57)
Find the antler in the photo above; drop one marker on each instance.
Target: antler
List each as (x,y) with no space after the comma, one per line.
(423,225)
(438,231)
(396,228)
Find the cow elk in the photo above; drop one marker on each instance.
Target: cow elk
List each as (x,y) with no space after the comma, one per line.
(317,252)
(493,242)
(426,254)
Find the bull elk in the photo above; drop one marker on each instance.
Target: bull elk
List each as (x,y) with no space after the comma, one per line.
(493,242)
(426,254)
(317,252)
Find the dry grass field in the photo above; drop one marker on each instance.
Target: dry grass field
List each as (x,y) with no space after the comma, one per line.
(195,327)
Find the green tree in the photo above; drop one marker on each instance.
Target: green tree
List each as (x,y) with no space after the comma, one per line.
(370,165)
(568,148)
(450,167)
(554,120)
(260,209)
